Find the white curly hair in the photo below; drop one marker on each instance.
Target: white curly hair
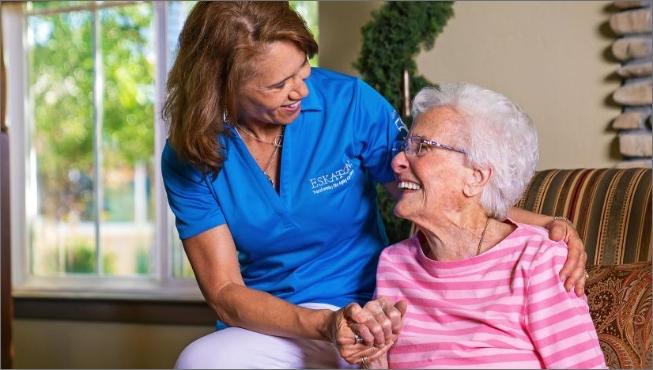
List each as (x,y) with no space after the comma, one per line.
(501,137)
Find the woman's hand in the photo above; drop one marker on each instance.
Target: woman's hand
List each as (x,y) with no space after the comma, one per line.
(368,357)
(367,332)
(378,363)
(573,273)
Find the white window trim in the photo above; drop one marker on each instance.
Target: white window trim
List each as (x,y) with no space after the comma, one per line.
(161,284)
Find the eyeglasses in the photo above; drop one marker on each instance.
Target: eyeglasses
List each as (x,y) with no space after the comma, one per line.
(416,146)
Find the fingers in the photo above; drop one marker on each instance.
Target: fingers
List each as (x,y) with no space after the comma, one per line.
(370,323)
(579,288)
(355,354)
(378,322)
(364,332)
(558,230)
(402,306)
(573,271)
(380,352)
(388,317)
(395,313)
(350,311)
(570,268)
(355,319)
(581,274)
(576,280)
(347,330)
(380,327)
(572,274)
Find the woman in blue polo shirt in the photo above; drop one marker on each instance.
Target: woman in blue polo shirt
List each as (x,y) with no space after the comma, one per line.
(270,169)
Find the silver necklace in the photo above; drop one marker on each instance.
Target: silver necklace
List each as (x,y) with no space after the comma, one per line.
(478,249)
(277,142)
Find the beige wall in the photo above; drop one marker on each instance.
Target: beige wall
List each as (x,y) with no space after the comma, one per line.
(50,344)
(546,56)
(340,35)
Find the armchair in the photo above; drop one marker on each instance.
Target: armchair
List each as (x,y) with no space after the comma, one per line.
(611,209)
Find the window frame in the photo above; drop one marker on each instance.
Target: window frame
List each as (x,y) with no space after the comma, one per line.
(160,284)
(139,311)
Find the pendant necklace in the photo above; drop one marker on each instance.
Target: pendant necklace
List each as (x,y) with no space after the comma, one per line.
(480,242)
(277,143)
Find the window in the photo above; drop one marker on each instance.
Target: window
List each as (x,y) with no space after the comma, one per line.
(85,81)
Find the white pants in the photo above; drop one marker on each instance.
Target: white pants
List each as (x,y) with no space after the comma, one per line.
(237,348)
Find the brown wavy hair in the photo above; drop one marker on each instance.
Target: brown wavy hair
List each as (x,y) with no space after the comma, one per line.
(217,44)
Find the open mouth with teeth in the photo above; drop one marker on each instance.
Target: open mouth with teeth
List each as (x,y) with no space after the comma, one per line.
(292,106)
(407,185)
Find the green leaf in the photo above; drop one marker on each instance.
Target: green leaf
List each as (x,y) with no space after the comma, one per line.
(398,31)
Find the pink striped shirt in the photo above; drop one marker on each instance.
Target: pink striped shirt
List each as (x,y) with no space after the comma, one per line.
(505,308)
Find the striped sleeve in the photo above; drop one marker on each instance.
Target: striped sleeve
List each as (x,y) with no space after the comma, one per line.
(558,321)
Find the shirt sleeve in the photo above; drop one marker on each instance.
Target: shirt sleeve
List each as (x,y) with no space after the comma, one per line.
(190,196)
(391,270)
(559,322)
(378,129)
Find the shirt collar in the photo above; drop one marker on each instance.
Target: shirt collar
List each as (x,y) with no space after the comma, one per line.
(312,101)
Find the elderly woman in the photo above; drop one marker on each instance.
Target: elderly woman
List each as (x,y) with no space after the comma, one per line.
(483,290)
(270,169)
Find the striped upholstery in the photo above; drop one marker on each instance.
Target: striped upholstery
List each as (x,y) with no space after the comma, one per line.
(611,209)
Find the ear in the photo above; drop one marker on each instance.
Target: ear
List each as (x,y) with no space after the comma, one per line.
(476,181)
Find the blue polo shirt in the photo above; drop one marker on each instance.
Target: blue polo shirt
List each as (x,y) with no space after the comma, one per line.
(319,238)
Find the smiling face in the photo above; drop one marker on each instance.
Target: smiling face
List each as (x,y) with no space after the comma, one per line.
(432,182)
(274,92)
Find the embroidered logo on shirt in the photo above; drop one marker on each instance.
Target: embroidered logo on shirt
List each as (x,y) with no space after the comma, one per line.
(401,126)
(332,180)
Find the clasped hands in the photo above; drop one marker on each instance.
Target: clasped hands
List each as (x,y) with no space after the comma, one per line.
(363,335)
